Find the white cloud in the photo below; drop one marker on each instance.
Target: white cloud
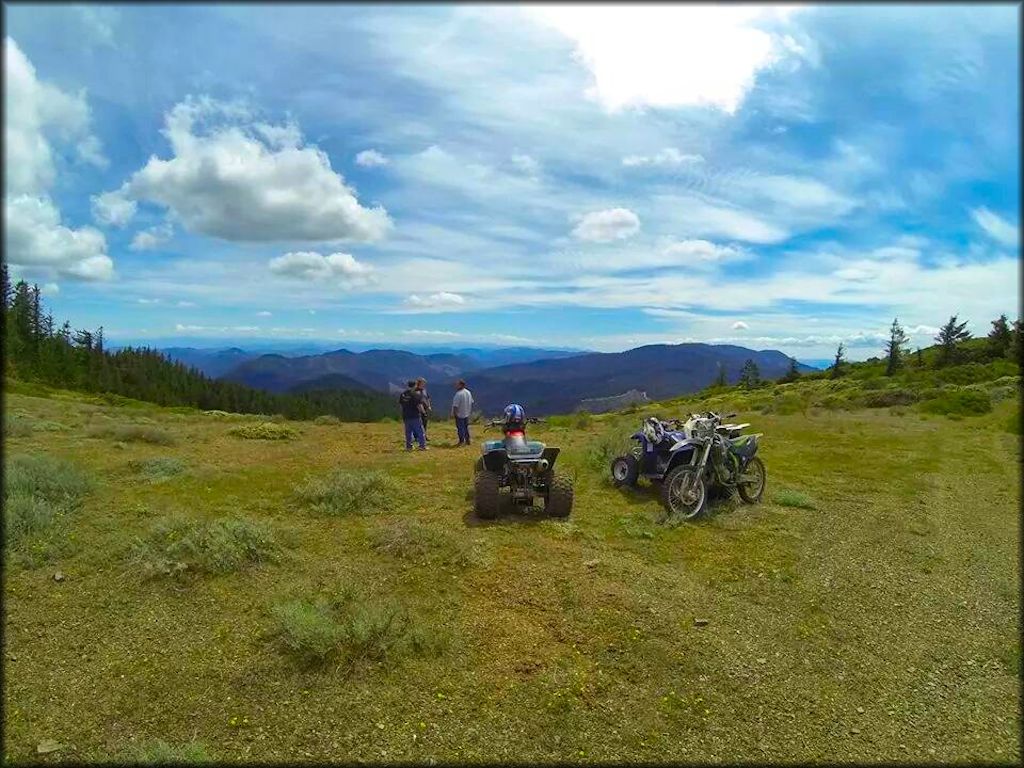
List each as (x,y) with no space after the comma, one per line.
(36,112)
(440,299)
(185,304)
(670,55)
(668,157)
(232,179)
(90,151)
(694,215)
(605,226)
(696,253)
(264,313)
(35,237)
(341,268)
(151,238)
(370,158)
(113,209)
(189,328)
(148,301)
(526,164)
(50,289)
(739,325)
(996,227)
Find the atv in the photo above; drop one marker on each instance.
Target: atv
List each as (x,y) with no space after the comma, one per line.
(524,467)
(691,458)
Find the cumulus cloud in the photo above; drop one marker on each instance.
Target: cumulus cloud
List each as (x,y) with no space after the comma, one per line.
(113,209)
(606,226)
(440,299)
(996,227)
(35,237)
(151,238)
(264,313)
(670,55)
(370,158)
(341,268)
(240,180)
(739,325)
(37,113)
(668,157)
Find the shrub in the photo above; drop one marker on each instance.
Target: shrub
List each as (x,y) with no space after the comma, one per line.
(37,490)
(17,426)
(327,421)
(963,402)
(345,492)
(791,498)
(159,468)
(161,753)
(136,433)
(350,627)
(407,539)
(176,546)
(266,430)
(582,420)
(604,449)
(889,397)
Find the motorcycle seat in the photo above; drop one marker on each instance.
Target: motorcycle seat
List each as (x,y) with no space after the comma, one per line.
(744,446)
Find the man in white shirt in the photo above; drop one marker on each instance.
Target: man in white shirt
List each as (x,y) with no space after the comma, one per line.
(462,406)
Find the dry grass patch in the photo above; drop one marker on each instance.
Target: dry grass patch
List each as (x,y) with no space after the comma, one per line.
(347,492)
(266,430)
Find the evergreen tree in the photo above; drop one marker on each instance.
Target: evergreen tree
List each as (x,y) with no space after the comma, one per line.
(951,334)
(720,380)
(792,374)
(1018,341)
(894,347)
(836,370)
(920,358)
(1000,338)
(750,376)
(8,292)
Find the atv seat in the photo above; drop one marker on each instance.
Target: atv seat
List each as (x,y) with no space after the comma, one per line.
(534,448)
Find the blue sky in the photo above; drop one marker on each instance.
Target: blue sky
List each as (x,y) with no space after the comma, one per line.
(596,177)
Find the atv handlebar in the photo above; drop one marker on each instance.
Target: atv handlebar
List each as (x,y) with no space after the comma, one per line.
(502,422)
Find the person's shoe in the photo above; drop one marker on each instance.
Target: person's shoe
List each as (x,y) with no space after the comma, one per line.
(424,448)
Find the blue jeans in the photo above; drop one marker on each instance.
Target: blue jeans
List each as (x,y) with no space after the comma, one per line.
(414,429)
(462,425)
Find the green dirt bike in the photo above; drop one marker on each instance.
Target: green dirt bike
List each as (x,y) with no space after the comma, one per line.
(713,456)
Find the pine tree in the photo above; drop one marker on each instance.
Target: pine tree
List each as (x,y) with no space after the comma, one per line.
(750,376)
(1018,341)
(8,292)
(1000,338)
(836,370)
(720,380)
(792,374)
(894,347)
(920,358)
(951,334)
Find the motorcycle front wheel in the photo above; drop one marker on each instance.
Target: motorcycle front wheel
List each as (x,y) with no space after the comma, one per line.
(751,491)
(683,493)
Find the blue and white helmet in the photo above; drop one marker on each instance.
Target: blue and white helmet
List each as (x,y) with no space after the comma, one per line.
(515,413)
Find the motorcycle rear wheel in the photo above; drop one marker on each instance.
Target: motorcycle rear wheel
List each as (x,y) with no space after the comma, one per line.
(752,492)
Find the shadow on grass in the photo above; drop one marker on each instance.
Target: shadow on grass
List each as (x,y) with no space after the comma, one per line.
(508,514)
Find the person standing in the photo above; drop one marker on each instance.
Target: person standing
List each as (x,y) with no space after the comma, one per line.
(411,402)
(421,387)
(462,407)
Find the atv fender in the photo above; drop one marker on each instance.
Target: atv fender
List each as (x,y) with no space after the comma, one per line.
(495,460)
(681,457)
(550,454)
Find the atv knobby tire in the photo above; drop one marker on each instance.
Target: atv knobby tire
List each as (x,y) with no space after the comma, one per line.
(625,470)
(558,500)
(486,494)
(749,494)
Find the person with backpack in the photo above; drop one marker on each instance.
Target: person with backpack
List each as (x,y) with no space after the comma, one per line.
(411,402)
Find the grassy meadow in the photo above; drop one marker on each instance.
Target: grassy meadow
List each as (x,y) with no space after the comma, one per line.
(192,586)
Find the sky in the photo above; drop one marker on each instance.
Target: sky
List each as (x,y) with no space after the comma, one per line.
(595,177)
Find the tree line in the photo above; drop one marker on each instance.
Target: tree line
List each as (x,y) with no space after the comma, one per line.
(1004,341)
(36,350)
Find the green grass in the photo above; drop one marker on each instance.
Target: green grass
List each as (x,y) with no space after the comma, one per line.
(327,421)
(159,752)
(523,639)
(963,402)
(347,492)
(787,497)
(178,547)
(267,430)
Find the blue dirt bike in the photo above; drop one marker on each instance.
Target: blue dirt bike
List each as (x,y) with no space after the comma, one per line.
(691,458)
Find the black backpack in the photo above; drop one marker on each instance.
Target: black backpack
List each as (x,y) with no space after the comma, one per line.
(405,397)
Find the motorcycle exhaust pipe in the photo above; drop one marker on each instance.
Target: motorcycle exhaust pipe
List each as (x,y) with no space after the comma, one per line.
(543,464)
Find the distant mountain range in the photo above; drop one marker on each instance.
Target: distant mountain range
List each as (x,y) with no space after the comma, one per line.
(545,381)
